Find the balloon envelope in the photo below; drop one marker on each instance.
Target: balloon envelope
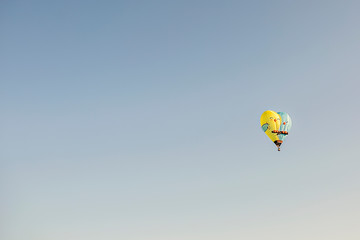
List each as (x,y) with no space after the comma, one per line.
(285,125)
(270,121)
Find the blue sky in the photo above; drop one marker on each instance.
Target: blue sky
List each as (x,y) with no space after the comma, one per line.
(140,120)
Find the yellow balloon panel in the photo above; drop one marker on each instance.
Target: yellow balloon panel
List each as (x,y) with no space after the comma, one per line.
(270,121)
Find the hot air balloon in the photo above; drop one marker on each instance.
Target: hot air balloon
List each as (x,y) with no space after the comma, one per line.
(276,126)
(285,125)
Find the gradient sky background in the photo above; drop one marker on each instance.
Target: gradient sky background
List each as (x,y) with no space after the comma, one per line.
(139,120)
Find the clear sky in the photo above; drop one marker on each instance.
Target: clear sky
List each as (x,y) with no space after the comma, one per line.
(139,120)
